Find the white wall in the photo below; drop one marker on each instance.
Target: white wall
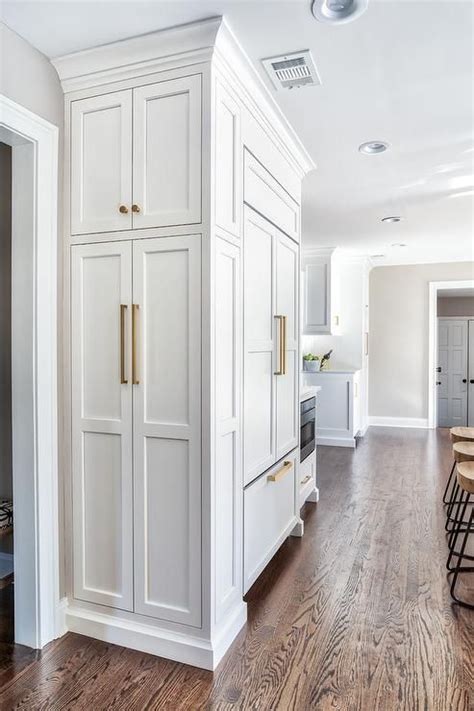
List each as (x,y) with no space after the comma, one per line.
(456,306)
(398,377)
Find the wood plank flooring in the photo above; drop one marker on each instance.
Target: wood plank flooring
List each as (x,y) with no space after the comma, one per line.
(356,616)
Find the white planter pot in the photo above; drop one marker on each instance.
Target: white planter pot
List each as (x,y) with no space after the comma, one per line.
(311,366)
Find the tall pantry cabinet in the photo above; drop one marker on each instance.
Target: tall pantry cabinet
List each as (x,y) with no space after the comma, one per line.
(168,135)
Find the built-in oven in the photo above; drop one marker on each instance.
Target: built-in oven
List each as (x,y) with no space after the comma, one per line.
(308,427)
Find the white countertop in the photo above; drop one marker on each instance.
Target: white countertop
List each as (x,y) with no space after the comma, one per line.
(307,391)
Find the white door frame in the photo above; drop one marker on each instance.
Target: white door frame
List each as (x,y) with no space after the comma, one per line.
(35,473)
(434,287)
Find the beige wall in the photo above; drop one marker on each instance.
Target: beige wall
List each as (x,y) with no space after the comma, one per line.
(398,377)
(456,306)
(5,322)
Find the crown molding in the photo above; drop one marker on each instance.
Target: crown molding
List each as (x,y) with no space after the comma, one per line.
(210,40)
(145,54)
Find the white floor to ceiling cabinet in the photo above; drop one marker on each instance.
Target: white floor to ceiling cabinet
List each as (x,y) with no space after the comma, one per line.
(271,266)
(142,346)
(162,132)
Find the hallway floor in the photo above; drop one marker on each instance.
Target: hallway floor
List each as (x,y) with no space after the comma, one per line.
(355,616)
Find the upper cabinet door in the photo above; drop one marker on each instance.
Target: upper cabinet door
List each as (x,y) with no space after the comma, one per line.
(167,153)
(101,163)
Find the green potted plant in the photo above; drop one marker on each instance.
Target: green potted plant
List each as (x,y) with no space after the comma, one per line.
(311,363)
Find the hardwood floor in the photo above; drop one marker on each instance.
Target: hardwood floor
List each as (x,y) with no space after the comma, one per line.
(354,616)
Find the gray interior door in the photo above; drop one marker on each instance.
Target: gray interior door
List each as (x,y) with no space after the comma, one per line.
(452,376)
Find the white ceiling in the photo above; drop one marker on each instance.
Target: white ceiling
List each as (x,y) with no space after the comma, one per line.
(403,72)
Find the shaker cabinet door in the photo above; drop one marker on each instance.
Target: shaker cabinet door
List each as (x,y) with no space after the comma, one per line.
(102,477)
(287,405)
(167,428)
(260,327)
(101,163)
(167,153)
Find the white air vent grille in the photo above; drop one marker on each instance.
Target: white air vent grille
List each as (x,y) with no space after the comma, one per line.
(291,71)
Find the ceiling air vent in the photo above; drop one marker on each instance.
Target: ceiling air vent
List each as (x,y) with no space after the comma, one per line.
(291,71)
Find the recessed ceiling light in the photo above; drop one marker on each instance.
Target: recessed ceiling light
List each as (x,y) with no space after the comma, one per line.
(338,11)
(377,256)
(399,244)
(371,148)
(392,218)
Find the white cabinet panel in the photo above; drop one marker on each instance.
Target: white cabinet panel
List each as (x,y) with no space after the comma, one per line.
(101,426)
(269,198)
(167,429)
(101,163)
(167,153)
(259,345)
(228,474)
(287,268)
(269,515)
(228,162)
(321,293)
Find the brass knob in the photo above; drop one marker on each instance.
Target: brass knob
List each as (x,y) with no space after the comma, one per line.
(135,208)
(123,209)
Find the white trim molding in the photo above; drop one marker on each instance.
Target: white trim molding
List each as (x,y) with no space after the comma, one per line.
(35,489)
(434,287)
(417,422)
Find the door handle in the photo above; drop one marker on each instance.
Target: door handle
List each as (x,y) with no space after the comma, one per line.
(438,382)
(135,379)
(472,381)
(464,380)
(282,346)
(123,311)
(283,471)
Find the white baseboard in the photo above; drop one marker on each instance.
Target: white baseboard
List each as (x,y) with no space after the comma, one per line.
(336,442)
(179,647)
(420,422)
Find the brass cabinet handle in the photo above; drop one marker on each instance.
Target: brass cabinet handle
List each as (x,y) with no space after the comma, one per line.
(135,379)
(305,480)
(281,346)
(123,311)
(283,471)
(123,209)
(135,208)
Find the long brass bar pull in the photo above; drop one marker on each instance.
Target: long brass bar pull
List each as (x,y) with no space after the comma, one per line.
(281,354)
(283,346)
(135,379)
(123,313)
(283,471)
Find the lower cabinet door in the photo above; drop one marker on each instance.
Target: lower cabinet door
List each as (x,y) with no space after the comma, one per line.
(167,428)
(269,515)
(102,480)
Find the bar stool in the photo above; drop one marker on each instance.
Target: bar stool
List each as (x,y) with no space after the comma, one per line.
(457,434)
(462,452)
(465,479)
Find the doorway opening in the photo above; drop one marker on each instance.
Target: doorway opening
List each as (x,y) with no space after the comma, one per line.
(451,354)
(28,374)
